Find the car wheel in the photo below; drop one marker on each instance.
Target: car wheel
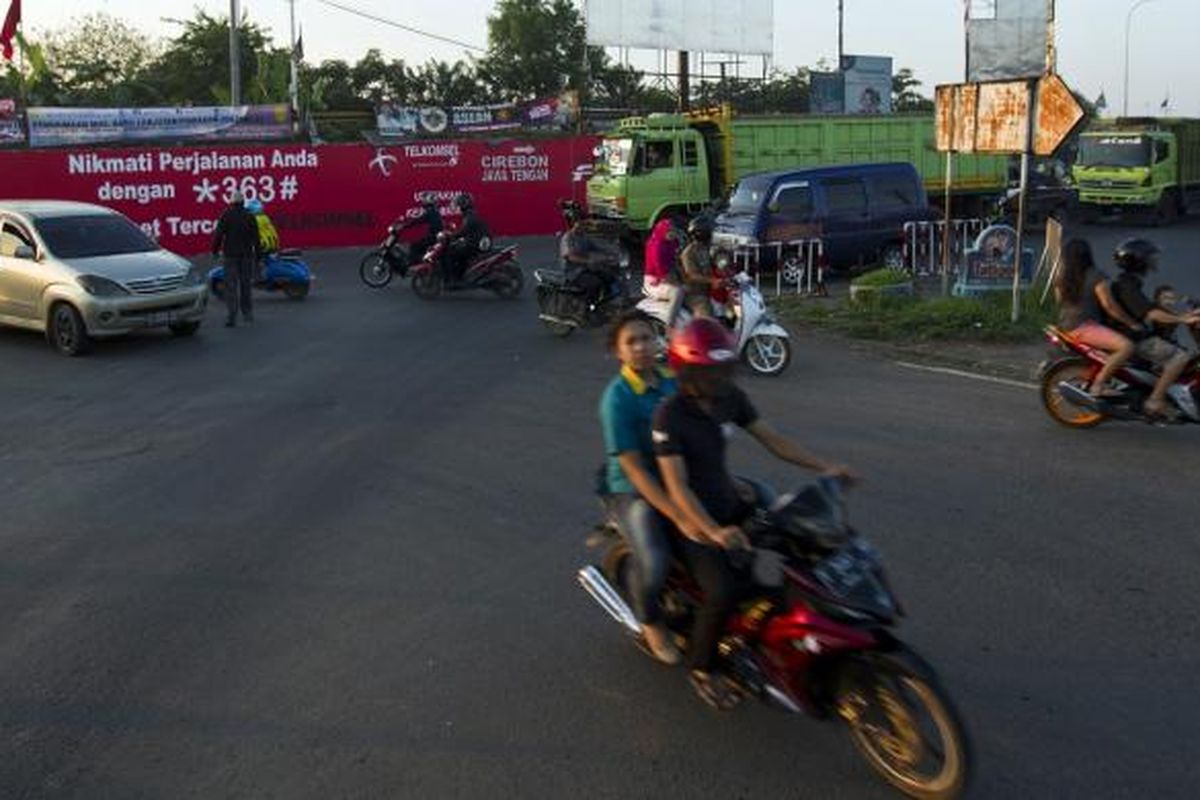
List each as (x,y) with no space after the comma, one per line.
(66,331)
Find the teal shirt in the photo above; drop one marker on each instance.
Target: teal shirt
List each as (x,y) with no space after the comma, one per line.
(626,410)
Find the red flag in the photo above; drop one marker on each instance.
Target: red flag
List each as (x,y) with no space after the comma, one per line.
(11,21)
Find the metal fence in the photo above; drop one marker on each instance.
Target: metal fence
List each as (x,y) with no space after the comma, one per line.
(924,244)
(798,262)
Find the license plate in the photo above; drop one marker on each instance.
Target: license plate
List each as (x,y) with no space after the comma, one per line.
(159,318)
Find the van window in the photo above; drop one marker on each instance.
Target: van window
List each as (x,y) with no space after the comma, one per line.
(846,196)
(893,191)
(795,202)
(690,156)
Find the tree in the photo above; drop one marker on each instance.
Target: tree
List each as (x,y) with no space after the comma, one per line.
(376,80)
(905,96)
(538,48)
(443,83)
(194,67)
(99,60)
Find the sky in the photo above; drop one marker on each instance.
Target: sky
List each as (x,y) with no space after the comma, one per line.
(926,35)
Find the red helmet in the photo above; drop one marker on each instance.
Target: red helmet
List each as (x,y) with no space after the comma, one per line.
(703,342)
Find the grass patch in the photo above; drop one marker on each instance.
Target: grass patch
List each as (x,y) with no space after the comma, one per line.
(882,277)
(916,319)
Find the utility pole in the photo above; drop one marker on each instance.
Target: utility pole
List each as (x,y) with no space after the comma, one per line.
(235,61)
(684,88)
(1128,22)
(294,85)
(841,30)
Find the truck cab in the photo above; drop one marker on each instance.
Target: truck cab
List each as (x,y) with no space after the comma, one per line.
(1139,164)
(649,167)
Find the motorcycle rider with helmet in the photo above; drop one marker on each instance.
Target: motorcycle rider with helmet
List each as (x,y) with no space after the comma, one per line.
(689,443)
(431,218)
(1136,258)
(696,261)
(465,242)
(579,252)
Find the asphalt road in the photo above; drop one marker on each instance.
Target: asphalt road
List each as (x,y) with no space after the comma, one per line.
(333,555)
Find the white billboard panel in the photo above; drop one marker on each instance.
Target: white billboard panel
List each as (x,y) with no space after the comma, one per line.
(708,26)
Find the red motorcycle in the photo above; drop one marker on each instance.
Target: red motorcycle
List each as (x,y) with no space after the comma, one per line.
(1065,380)
(497,271)
(814,637)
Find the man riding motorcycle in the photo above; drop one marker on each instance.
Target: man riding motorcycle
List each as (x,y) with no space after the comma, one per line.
(432,219)
(1136,258)
(689,443)
(581,254)
(467,241)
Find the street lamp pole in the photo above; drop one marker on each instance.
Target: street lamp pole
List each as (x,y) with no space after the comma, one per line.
(1128,22)
(235,61)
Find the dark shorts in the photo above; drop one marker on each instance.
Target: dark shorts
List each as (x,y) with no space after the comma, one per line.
(1157,350)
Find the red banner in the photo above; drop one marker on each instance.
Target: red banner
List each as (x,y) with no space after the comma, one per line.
(318,196)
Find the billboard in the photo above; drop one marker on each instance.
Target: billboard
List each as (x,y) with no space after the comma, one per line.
(706,26)
(827,93)
(327,196)
(12,132)
(51,127)
(867,84)
(559,113)
(1006,39)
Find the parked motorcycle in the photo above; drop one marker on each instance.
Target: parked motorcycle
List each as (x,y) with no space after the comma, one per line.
(814,637)
(497,271)
(762,342)
(282,271)
(1065,380)
(392,257)
(580,297)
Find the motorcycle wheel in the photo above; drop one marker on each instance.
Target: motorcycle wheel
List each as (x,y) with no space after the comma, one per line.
(903,723)
(767,354)
(296,291)
(375,271)
(426,285)
(1079,373)
(509,281)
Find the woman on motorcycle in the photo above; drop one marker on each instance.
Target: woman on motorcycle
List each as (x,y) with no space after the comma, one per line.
(1086,302)
(634,489)
(689,440)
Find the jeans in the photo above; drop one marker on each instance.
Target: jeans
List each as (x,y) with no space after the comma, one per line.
(648,535)
(239,277)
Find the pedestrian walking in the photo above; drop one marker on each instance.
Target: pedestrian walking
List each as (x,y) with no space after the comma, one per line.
(236,238)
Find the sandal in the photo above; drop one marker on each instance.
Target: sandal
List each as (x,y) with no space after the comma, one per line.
(1159,412)
(714,690)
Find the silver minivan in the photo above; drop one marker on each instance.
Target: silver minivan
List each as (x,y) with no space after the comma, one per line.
(78,271)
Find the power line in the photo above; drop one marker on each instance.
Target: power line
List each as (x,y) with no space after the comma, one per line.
(394,24)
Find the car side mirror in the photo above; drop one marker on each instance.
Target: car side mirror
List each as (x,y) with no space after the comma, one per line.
(25,252)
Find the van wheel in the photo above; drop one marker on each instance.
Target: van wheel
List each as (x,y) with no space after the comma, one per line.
(892,257)
(66,332)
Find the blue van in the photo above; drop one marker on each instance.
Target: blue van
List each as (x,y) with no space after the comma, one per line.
(858,211)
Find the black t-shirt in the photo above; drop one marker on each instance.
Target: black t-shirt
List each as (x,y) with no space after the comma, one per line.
(682,428)
(1127,290)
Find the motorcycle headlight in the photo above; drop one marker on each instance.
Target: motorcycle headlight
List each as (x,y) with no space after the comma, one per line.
(101,287)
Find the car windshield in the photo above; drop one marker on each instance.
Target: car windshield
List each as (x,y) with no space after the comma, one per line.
(747,197)
(614,156)
(92,235)
(1114,151)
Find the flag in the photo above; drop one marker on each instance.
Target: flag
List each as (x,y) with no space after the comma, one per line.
(1101,101)
(11,21)
(1166,102)
(298,48)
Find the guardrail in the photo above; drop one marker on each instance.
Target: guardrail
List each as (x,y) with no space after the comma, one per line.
(924,244)
(798,262)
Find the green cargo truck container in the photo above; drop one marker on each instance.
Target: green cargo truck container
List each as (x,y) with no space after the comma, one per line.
(656,165)
(1144,166)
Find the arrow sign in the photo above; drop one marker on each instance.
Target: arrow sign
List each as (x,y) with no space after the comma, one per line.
(1058,112)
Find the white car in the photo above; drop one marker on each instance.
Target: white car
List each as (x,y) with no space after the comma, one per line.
(78,271)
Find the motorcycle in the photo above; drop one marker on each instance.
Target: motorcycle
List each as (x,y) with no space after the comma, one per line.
(761,342)
(814,638)
(1066,377)
(496,271)
(564,296)
(282,271)
(392,256)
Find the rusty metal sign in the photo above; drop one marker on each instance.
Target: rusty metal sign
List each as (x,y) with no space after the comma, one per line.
(1058,112)
(994,117)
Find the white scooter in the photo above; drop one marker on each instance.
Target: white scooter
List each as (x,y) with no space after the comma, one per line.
(761,341)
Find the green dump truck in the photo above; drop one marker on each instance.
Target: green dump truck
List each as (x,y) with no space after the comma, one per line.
(1141,166)
(664,163)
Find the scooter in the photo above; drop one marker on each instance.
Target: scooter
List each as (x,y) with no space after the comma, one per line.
(761,341)
(281,271)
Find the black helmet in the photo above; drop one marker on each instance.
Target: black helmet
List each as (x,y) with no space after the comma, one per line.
(428,200)
(700,229)
(571,211)
(464,202)
(1136,255)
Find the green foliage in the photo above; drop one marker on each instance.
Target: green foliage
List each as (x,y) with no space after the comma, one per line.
(536,48)
(914,319)
(882,277)
(905,97)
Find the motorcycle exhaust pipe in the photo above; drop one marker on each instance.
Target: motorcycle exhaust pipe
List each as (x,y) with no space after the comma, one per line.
(1079,397)
(558,320)
(594,583)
